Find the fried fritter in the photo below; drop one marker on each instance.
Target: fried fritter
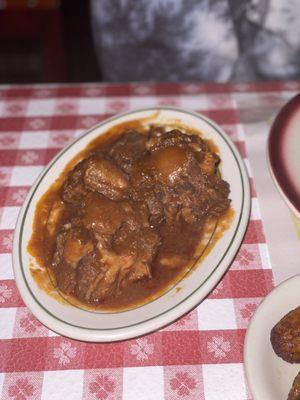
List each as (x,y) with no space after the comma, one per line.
(285,337)
(295,390)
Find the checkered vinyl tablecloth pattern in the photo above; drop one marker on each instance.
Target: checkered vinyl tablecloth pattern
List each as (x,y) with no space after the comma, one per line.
(198,357)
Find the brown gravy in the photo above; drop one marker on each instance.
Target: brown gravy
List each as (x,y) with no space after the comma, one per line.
(186,239)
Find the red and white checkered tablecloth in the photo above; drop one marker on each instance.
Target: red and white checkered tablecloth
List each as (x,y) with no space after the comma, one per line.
(198,357)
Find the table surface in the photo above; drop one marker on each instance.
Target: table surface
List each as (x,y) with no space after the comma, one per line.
(199,356)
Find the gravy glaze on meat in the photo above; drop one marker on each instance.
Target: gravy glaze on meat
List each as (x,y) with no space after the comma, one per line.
(125,218)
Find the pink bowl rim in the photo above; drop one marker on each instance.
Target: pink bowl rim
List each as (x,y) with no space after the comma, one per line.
(277,159)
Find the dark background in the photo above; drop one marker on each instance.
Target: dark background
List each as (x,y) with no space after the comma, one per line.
(46,41)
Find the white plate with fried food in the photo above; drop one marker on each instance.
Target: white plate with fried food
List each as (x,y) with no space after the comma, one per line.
(271,377)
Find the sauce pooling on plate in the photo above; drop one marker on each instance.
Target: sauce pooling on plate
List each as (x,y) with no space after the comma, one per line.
(129,216)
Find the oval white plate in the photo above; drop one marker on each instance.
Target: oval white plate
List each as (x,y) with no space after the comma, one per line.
(102,326)
(270,377)
(284,153)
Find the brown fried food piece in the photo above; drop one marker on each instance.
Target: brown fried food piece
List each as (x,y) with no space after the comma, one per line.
(295,389)
(285,337)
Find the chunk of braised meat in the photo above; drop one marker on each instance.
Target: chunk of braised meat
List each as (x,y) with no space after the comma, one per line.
(72,244)
(128,149)
(152,197)
(159,138)
(90,273)
(128,260)
(126,244)
(101,175)
(96,173)
(103,217)
(121,248)
(285,337)
(141,246)
(179,186)
(294,393)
